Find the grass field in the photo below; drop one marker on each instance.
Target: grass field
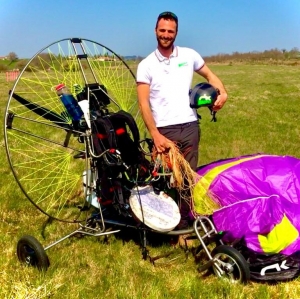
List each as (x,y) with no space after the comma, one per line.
(261,116)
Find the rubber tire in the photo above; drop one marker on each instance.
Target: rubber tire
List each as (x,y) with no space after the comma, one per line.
(32,253)
(239,260)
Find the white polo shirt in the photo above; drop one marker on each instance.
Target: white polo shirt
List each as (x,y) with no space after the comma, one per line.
(170,81)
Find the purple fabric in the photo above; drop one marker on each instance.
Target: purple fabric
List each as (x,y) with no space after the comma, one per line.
(256,194)
(249,218)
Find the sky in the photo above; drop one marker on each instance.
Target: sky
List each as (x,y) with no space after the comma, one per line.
(127,26)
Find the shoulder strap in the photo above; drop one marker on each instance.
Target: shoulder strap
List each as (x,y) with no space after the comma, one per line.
(107,125)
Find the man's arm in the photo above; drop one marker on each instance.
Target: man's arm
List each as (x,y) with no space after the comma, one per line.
(217,83)
(143,92)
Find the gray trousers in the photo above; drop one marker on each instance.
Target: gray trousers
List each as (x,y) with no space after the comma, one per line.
(187,138)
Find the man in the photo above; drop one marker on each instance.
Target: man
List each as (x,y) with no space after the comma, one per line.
(163,82)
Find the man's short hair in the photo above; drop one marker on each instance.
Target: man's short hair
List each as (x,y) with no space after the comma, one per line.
(167,15)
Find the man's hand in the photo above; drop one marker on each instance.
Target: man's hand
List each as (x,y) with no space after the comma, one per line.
(219,103)
(161,142)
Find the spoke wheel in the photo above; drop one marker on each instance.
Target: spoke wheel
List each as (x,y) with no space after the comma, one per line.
(32,253)
(230,264)
(42,143)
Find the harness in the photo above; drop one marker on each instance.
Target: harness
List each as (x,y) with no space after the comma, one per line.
(117,131)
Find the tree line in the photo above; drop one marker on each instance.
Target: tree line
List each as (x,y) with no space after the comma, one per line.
(273,56)
(267,56)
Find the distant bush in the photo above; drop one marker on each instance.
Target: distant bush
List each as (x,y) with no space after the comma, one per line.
(67,67)
(21,64)
(3,68)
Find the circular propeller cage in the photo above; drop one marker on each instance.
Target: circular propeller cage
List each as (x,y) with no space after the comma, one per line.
(44,149)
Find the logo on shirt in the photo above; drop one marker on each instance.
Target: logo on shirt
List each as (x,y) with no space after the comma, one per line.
(182,64)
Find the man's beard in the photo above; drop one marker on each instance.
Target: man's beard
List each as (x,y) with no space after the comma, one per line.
(165,47)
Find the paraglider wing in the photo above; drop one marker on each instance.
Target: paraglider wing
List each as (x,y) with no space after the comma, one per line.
(259,195)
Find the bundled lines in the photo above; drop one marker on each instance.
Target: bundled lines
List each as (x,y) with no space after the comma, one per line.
(191,187)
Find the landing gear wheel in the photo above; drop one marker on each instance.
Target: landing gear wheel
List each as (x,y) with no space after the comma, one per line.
(45,147)
(31,252)
(230,264)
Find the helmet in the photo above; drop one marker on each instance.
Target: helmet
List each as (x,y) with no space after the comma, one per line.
(203,95)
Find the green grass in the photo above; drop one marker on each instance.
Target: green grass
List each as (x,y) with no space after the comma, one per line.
(260,116)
